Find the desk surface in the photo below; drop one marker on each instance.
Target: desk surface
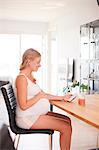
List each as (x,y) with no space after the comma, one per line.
(88,113)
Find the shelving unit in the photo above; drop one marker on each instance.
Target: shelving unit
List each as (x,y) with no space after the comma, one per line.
(89,56)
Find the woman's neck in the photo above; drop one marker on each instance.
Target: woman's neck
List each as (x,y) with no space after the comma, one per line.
(27,72)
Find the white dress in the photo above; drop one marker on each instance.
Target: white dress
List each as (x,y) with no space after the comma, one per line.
(26,118)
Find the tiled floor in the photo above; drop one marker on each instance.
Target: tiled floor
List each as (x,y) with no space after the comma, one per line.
(84,137)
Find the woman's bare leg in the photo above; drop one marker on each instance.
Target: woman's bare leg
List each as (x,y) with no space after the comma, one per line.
(61,116)
(54,123)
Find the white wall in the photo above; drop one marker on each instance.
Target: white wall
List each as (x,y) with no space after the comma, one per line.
(17,27)
(68,27)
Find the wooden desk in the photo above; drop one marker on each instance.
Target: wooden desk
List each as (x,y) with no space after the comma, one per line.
(88,113)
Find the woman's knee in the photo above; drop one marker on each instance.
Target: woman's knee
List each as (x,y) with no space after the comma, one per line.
(69,120)
(65,117)
(65,128)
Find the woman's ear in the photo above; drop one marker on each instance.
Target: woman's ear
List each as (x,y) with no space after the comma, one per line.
(28,62)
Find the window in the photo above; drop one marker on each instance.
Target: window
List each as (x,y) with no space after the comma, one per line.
(12,46)
(9,55)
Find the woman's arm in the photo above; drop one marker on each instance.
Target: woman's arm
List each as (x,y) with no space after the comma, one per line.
(21,85)
(55,97)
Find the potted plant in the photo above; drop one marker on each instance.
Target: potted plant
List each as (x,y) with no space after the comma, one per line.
(75,87)
(84,88)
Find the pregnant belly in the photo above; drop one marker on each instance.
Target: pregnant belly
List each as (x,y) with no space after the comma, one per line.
(41,107)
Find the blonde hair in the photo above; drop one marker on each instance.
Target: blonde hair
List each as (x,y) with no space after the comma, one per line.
(29,54)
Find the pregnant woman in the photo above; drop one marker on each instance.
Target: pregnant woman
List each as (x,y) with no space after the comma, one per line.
(32,109)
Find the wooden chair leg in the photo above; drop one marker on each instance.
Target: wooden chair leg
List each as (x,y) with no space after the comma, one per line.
(50,142)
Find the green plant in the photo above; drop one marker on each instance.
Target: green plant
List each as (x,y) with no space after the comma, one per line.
(84,87)
(75,83)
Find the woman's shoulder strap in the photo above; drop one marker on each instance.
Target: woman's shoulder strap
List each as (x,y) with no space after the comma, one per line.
(22,74)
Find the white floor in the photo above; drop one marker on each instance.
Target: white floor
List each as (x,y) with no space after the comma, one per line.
(84,136)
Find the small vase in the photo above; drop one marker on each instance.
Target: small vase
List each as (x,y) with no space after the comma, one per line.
(75,90)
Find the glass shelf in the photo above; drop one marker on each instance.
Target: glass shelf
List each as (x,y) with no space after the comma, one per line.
(96,79)
(89,55)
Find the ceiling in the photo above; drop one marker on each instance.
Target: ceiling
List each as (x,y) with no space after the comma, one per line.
(34,10)
(39,10)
